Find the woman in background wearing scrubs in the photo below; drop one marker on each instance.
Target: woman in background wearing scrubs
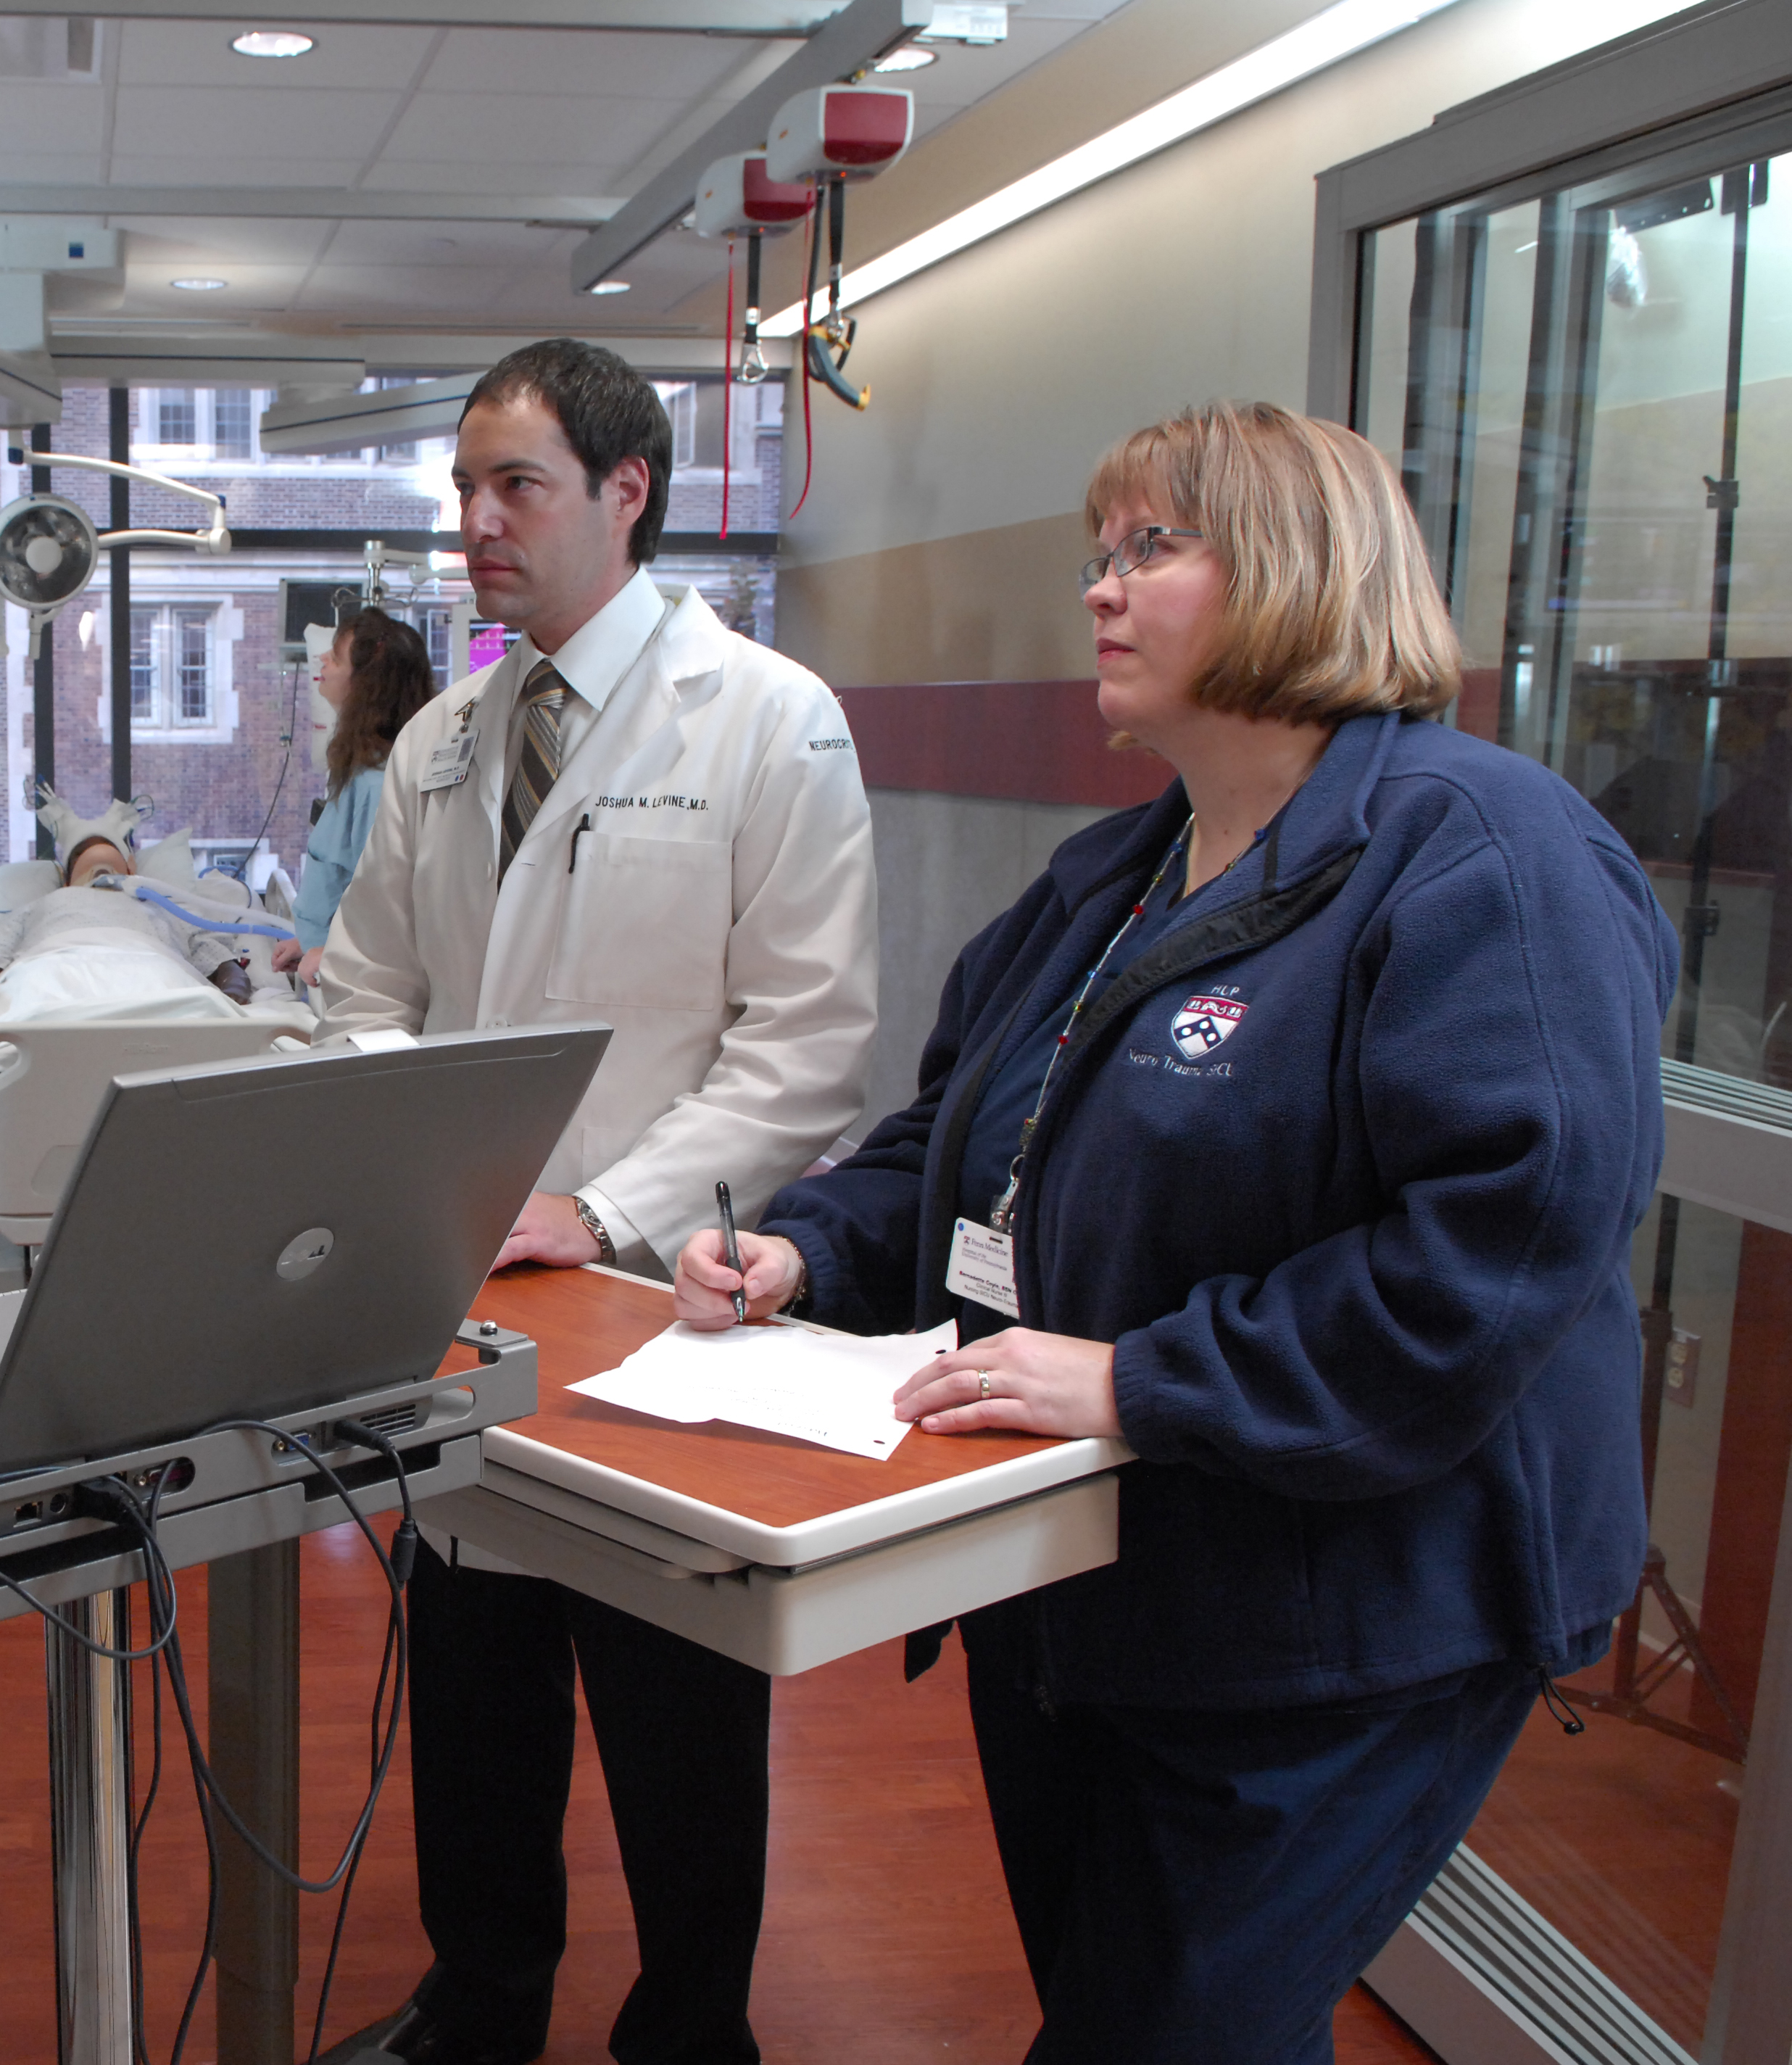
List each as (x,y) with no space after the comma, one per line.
(376,676)
(1294,1128)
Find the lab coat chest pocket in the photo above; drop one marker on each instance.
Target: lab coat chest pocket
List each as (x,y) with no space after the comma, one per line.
(645,922)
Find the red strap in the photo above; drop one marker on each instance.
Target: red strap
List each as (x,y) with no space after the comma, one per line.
(809,441)
(728,384)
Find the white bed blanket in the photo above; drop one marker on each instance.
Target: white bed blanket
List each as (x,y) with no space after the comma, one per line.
(86,983)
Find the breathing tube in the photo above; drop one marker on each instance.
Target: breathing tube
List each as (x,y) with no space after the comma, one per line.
(135,886)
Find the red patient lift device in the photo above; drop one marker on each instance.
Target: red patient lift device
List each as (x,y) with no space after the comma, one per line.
(822,139)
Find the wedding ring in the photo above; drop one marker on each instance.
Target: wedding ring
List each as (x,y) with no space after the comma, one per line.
(983,1384)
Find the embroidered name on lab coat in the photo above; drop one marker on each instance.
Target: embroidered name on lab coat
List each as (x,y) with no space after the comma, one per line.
(830,745)
(665,803)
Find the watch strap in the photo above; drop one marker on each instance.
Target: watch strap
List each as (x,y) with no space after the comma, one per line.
(598,1232)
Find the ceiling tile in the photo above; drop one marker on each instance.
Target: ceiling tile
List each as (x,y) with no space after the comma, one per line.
(323,127)
(576,178)
(538,61)
(37,115)
(238,241)
(198,54)
(400,290)
(54,167)
(606,129)
(246,169)
(442,243)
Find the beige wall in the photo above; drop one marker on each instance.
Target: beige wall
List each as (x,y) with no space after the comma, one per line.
(998,605)
(998,377)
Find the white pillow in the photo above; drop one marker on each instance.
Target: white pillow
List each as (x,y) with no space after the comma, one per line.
(23,882)
(170,859)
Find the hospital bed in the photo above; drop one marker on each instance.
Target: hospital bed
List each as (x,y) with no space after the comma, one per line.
(53,1075)
(53,1079)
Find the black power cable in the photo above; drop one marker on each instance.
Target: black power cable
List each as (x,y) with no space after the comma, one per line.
(404,1561)
(286,761)
(113,1499)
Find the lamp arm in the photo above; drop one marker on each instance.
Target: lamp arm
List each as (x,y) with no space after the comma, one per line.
(215,538)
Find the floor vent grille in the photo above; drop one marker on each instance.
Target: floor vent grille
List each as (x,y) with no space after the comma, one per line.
(1540,1998)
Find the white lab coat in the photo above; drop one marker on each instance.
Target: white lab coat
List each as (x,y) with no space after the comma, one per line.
(719,912)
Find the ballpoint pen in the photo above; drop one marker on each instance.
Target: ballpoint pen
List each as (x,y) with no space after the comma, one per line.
(731,1247)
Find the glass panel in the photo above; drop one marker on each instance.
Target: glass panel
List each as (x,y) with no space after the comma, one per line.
(1622,1837)
(192,650)
(142,666)
(233,423)
(1590,395)
(176,420)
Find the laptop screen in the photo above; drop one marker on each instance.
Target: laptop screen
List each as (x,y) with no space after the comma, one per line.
(263,1236)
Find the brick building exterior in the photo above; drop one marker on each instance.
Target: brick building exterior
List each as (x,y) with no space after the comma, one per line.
(216,703)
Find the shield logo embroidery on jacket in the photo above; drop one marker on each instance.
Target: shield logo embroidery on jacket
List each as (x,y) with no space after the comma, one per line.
(1204,1022)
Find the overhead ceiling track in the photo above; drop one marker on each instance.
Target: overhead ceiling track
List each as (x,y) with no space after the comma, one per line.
(856,38)
(755,18)
(308,204)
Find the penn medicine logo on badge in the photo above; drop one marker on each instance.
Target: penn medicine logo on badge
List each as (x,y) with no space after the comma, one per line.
(1204,1023)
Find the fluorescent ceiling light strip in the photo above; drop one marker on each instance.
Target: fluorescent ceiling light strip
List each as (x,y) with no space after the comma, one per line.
(1338,33)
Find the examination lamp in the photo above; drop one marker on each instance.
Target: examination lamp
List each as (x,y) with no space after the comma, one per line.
(49,547)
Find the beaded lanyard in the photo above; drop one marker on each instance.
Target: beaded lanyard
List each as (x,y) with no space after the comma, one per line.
(1002,1209)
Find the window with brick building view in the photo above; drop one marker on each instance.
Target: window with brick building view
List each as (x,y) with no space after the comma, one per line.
(213,700)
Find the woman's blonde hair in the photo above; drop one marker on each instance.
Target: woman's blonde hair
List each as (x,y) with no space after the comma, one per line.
(1331,609)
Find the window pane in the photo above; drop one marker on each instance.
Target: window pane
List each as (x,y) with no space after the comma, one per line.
(1587,397)
(193,665)
(142,666)
(176,420)
(231,425)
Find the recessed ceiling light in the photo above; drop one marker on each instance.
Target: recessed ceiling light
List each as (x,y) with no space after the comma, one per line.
(198,286)
(910,57)
(609,287)
(272,43)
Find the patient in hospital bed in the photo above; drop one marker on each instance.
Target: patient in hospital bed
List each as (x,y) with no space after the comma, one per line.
(94,948)
(80,946)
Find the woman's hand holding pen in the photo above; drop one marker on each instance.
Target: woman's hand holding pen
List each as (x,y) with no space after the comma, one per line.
(703,1287)
(1028,1383)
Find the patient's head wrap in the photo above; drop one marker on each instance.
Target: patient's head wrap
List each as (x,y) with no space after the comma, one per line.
(117,824)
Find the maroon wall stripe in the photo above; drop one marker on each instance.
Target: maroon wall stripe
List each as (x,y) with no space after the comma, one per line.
(1029,741)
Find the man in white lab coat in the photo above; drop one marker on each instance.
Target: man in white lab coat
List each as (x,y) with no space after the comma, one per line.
(664,829)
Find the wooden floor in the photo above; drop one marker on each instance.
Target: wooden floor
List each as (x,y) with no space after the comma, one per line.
(887,1940)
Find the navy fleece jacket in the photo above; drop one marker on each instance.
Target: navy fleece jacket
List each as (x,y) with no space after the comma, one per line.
(1363,1255)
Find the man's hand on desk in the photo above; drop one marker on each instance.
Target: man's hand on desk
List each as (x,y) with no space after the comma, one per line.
(703,1289)
(549,1229)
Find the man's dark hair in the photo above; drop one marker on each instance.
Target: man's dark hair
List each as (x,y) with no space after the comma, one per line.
(607,411)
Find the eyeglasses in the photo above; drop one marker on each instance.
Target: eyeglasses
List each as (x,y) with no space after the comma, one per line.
(1130,553)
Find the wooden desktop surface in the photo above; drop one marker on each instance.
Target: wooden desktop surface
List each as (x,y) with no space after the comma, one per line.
(583,1322)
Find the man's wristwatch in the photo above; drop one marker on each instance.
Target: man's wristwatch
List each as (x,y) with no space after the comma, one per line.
(598,1232)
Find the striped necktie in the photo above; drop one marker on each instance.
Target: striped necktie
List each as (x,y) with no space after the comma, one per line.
(538,763)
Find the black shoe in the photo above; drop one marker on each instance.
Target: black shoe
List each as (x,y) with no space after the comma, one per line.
(415,2036)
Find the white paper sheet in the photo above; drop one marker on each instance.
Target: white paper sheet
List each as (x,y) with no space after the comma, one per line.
(834,1389)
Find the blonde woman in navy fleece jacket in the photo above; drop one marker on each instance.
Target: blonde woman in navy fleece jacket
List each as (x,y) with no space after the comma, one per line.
(1326,1206)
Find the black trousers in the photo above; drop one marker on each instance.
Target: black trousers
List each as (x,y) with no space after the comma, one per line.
(1202,1888)
(683,1734)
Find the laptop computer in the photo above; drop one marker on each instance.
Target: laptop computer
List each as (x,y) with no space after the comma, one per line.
(257,1237)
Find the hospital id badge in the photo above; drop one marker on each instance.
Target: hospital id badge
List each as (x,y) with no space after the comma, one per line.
(982,1268)
(448,765)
